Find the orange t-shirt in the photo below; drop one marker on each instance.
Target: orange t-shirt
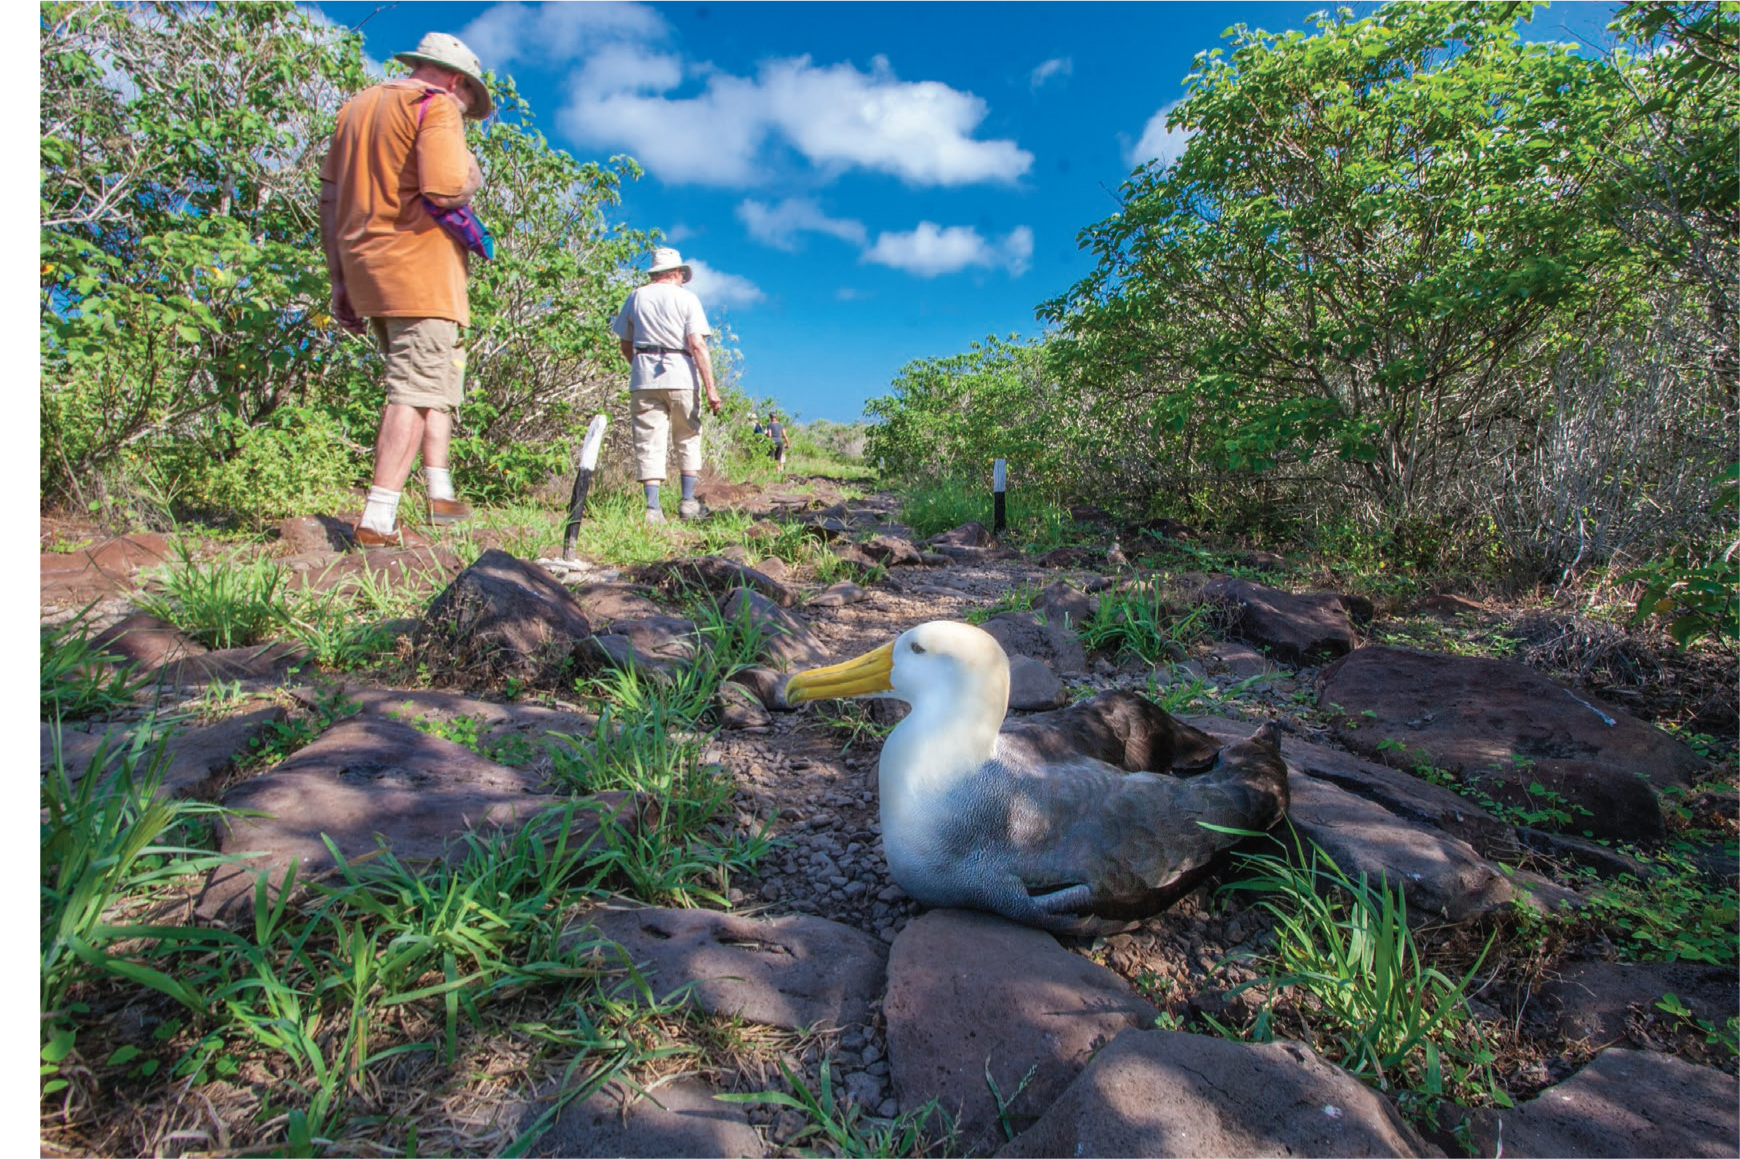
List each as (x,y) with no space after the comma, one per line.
(398,263)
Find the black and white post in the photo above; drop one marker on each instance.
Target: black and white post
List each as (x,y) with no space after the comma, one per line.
(998,517)
(583,483)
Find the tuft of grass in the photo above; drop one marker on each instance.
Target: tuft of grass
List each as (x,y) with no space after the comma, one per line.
(1344,947)
(843,1129)
(80,680)
(1036,520)
(1140,622)
(229,603)
(108,837)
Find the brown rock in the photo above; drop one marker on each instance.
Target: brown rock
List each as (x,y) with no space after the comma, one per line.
(367,784)
(1628,1103)
(679,1118)
(786,639)
(503,618)
(606,603)
(1502,727)
(1034,686)
(1293,628)
(1163,1092)
(1021,634)
(310,534)
(147,641)
(971,994)
(791,972)
(1594,1001)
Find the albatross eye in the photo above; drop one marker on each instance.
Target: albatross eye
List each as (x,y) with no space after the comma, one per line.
(918,648)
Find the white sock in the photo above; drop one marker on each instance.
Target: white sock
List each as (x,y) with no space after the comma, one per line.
(438,481)
(381,511)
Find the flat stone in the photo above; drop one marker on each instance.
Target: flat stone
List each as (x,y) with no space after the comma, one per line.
(717,575)
(368,784)
(837,595)
(606,603)
(1293,628)
(1594,1001)
(1502,727)
(147,641)
(308,534)
(765,684)
(1401,793)
(1065,606)
(738,708)
(258,663)
(1438,873)
(1021,634)
(1164,1092)
(786,638)
(1033,686)
(1627,1103)
(971,993)
(790,972)
(678,1118)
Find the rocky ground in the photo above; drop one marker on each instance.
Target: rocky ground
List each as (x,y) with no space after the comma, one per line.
(809,776)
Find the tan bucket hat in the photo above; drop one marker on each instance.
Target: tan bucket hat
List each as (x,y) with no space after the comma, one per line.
(449,51)
(664,258)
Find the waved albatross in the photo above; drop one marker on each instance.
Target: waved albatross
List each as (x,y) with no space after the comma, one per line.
(1030,820)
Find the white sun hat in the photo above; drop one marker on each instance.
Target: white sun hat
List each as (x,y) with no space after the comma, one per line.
(664,259)
(449,51)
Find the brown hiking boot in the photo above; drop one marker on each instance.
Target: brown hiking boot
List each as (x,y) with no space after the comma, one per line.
(448,511)
(369,537)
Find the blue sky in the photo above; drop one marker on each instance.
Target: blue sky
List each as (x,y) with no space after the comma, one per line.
(861,185)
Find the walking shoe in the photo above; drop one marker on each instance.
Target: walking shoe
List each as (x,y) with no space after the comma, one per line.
(448,511)
(690,509)
(654,515)
(369,537)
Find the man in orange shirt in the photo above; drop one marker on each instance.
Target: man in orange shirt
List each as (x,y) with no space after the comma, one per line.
(396,145)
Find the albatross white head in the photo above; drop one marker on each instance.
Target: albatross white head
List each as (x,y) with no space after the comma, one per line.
(955,676)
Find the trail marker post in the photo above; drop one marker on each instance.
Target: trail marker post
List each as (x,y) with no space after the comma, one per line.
(583,483)
(998,519)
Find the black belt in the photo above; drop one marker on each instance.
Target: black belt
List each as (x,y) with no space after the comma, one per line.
(639,349)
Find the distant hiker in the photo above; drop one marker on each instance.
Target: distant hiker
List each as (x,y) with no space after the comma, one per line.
(391,263)
(776,432)
(664,340)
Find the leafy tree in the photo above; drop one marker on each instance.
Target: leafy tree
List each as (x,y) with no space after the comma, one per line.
(177,147)
(1368,230)
(950,417)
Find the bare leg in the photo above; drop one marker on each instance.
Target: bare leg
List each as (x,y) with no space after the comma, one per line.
(437,433)
(402,429)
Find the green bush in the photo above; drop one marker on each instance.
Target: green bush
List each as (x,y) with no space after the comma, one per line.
(297,464)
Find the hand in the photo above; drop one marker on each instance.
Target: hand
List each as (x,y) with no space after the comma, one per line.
(713,399)
(345,314)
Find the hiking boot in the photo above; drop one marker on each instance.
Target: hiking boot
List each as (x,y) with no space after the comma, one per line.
(368,537)
(690,509)
(448,511)
(654,515)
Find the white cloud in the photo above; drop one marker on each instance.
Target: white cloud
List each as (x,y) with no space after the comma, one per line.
(931,249)
(779,225)
(1158,143)
(507,33)
(1057,66)
(718,288)
(848,294)
(622,82)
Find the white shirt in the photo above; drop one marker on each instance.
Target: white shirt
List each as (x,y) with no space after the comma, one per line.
(661,314)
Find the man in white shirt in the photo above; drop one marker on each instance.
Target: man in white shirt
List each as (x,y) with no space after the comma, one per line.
(663,333)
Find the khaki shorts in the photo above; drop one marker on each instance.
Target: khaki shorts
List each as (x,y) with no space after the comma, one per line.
(658,416)
(425,363)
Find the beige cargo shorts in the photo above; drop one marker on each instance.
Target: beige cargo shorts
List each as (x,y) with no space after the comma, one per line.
(425,363)
(659,417)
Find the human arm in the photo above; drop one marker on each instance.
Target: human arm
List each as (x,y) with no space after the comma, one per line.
(447,173)
(342,311)
(627,347)
(704,363)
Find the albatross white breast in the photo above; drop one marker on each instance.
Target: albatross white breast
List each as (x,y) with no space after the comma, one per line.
(1069,821)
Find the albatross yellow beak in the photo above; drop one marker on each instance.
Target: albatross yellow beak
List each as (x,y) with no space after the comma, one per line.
(867,673)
